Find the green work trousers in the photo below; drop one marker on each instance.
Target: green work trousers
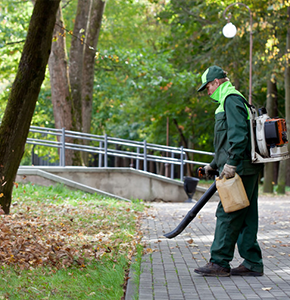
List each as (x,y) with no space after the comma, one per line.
(239,227)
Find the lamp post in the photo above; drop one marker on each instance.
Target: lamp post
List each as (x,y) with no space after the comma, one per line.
(229,31)
(167,144)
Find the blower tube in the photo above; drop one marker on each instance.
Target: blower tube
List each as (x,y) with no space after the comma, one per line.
(193,212)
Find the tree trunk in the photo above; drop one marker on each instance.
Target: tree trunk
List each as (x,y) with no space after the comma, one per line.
(76,60)
(59,82)
(285,164)
(93,30)
(69,85)
(272,112)
(24,93)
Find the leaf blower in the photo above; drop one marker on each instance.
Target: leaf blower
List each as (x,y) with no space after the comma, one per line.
(196,208)
(268,137)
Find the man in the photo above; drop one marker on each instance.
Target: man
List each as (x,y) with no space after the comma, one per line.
(232,144)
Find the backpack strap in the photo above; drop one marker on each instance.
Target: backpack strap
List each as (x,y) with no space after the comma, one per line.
(250,106)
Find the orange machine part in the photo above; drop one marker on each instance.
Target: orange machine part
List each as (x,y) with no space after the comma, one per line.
(282,130)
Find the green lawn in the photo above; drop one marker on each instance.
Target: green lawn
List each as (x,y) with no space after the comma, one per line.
(63,244)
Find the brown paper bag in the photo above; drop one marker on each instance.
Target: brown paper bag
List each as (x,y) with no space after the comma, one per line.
(232,193)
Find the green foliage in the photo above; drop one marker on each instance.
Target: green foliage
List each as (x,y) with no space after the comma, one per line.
(131,25)
(196,40)
(14,21)
(43,114)
(150,57)
(137,91)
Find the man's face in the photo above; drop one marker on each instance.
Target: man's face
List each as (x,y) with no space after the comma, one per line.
(212,86)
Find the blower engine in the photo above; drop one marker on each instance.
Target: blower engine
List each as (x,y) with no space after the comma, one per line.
(269,137)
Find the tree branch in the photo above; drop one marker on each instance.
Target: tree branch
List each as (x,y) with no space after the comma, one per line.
(17,42)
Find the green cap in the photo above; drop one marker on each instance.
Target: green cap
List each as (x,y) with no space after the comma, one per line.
(210,75)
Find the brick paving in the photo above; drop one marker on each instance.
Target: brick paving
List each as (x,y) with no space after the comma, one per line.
(167,270)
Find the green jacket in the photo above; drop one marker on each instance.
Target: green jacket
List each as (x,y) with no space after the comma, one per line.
(232,137)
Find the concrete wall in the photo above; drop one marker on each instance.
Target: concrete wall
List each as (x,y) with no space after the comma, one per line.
(124,182)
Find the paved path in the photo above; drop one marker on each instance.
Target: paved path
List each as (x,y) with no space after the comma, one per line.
(168,267)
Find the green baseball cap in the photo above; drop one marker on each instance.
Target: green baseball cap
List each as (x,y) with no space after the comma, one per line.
(210,75)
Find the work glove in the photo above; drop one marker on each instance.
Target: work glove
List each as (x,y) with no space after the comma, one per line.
(207,168)
(228,171)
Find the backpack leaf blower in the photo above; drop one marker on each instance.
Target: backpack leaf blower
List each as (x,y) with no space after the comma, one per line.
(268,137)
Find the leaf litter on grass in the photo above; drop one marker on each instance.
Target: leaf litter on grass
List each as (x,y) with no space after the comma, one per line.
(59,234)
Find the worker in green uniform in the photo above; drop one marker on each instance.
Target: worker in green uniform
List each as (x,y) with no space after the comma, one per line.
(232,142)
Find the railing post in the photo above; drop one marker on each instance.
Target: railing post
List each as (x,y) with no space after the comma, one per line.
(137,159)
(62,149)
(145,156)
(100,155)
(106,151)
(172,167)
(181,163)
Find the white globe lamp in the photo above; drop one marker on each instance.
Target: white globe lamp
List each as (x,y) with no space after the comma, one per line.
(229,30)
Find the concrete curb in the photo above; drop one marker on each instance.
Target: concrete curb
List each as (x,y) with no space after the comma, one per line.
(131,289)
(67,182)
(126,183)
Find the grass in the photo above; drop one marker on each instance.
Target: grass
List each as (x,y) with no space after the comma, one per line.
(97,281)
(205,183)
(63,244)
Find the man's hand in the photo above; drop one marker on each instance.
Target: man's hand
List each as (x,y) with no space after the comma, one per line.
(207,168)
(228,171)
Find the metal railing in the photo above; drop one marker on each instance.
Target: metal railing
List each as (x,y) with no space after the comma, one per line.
(135,151)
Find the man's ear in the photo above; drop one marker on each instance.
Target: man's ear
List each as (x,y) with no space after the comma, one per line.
(217,81)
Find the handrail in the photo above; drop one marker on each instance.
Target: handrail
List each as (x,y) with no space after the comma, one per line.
(138,150)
